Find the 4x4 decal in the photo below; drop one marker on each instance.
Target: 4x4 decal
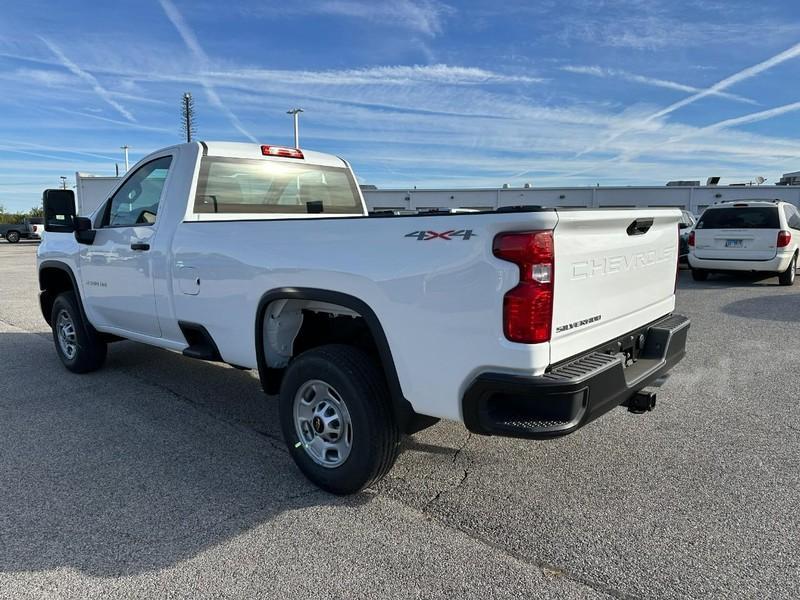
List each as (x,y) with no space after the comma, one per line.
(424,236)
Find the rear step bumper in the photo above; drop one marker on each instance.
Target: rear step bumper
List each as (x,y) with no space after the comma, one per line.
(573,393)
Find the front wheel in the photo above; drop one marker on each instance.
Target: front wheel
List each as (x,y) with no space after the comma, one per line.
(12,237)
(787,277)
(77,343)
(336,418)
(699,275)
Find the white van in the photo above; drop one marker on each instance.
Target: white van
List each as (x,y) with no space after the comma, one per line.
(746,235)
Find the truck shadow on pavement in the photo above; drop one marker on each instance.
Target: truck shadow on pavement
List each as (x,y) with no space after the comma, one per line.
(783,308)
(136,467)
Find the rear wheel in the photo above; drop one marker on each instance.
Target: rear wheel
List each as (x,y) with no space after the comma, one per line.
(12,237)
(787,277)
(336,418)
(699,275)
(77,343)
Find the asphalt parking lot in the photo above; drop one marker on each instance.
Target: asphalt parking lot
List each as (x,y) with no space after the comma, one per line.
(160,476)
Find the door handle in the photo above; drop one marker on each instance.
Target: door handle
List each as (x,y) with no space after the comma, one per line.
(140,246)
(640,226)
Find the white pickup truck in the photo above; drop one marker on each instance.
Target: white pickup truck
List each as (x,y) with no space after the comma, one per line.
(523,322)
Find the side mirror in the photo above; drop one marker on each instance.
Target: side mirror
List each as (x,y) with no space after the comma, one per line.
(84,234)
(59,210)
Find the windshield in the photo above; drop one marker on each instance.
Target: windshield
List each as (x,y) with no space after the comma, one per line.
(751,217)
(229,185)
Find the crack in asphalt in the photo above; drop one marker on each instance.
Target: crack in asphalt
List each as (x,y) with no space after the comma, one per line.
(438,494)
(547,569)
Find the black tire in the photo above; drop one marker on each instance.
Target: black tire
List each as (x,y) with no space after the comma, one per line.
(12,237)
(699,275)
(88,350)
(360,385)
(787,277)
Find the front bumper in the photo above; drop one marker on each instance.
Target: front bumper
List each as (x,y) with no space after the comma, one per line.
(575,392)
(774,265)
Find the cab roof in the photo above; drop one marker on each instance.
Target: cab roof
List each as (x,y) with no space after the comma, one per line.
(251,150)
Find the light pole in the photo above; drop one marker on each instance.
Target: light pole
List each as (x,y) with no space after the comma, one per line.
(295,112)
(125,149)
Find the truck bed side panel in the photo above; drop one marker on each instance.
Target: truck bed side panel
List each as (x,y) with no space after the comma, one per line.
(438,298)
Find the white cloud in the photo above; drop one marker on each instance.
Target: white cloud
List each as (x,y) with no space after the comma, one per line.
(720,86)
(191,42)
(104,94)
(17,146)
(423,16)
(129,124)
(743,120)
(651,81)
(385,75)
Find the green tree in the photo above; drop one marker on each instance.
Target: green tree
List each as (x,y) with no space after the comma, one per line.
(36,211)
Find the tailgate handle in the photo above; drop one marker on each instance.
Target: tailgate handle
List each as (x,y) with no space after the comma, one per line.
(640,226)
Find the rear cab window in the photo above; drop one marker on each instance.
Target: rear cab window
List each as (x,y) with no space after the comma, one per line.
(247,187)
(740,217)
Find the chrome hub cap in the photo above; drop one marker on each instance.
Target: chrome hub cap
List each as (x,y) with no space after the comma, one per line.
(65,330)
(322,423)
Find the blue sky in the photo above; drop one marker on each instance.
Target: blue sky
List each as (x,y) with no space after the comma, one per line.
(412,92)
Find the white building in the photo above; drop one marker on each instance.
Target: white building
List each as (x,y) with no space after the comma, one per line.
(692,198)
(94,190)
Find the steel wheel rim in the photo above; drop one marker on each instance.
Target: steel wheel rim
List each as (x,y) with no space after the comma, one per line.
(322,423)
(65,331)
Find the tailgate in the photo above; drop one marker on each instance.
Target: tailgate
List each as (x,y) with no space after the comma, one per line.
(614,272)
(736,244)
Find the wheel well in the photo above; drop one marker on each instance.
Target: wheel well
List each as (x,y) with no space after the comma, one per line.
(292,320)
(52,282)
(292,326)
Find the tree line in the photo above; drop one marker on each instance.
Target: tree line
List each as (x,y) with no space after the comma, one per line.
(17,217)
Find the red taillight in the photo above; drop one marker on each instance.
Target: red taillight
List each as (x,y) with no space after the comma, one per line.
(691,238)
(282,152)
(784,237)
(528,308)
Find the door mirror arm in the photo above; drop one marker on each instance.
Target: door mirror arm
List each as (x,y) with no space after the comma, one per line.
(84,234)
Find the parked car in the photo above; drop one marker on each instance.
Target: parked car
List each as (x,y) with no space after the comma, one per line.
(759,236)
(523,322)
(16,231)
(37,227)
(685,226)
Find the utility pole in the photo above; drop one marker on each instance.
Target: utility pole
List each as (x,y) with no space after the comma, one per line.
(125,149)
(295,112)
(63,182)
(187,116)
